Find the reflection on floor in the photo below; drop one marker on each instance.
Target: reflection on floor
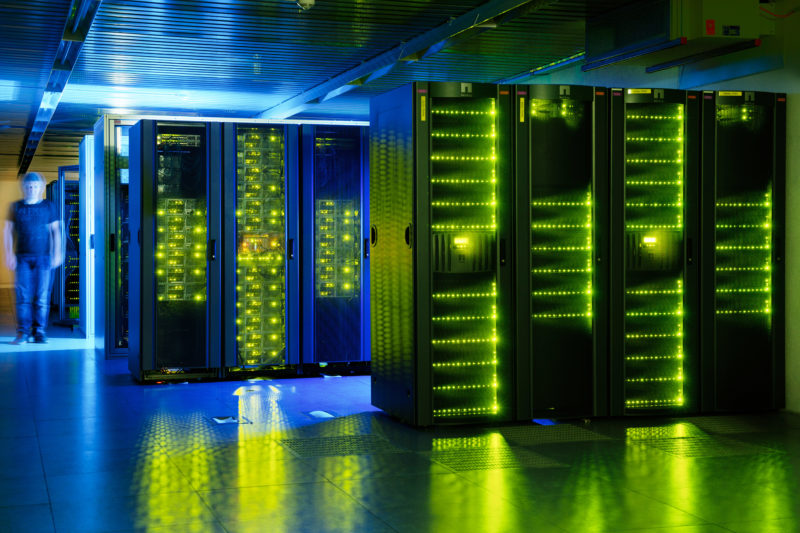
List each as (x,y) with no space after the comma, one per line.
(83,448)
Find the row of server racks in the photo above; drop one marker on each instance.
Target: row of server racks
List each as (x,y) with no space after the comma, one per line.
(65,281)
(567,251)
(231,248)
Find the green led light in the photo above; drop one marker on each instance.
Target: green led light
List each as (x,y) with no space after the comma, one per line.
(465,411)
(653,313)
(462,318)
(652,183)
(462,227)
(647,292)
(560,204)
(455,295)
(654,380)
(464,341)
(654,403)
(766,310)
(462,204)
(562,315)
(653,226)
(655,117)
(460,181)
(464,364)
(653,204)
(655,139)
(458,135)
(464,387)
(743,290)
(558,293)
(560,248)
(743,204)
(560,270)
(743,247)
(653,357)
(653,335)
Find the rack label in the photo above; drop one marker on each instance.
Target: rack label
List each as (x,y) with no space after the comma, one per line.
(640,91)
(422,102)
(730,93)
(522,109)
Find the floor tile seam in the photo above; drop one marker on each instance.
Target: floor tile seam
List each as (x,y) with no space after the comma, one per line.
(668,504)
(369,511)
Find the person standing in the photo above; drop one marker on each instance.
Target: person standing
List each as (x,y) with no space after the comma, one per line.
(32,239)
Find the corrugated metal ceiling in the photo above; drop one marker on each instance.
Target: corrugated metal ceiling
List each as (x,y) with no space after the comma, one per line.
(240,57)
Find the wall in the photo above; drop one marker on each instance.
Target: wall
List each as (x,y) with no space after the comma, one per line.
(9,193)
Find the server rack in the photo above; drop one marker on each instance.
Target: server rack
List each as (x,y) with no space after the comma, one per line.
(561,152)
(112,234)
(654,275)
(175,274)
(66,282)
(261,258)
(52,193)
(743,206)
(86,237)
(440,288)
(335,266)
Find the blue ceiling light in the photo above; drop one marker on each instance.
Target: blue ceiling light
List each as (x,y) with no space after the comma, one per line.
(79,19)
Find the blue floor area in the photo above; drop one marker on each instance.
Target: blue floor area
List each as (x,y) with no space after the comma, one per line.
(83,448)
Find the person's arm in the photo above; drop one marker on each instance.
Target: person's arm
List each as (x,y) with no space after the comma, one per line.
(8,244)
(55,244)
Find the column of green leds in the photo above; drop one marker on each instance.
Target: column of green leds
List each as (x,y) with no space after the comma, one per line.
(561,234)
(260,272)
(743,233)
(336,249)
(464,234)
(654,256)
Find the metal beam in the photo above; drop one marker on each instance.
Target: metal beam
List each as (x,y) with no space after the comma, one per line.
(475,21)
(79,20)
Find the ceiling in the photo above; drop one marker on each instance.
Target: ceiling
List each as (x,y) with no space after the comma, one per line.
(240,58)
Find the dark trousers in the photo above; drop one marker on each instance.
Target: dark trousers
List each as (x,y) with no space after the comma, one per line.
(33,293)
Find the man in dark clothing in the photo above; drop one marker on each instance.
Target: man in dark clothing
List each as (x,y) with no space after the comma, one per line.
(32,239)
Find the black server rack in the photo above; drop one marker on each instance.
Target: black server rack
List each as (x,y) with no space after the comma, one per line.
(561,152)
(65,280)
(743,211)
(261,248)
(335,257)
(654,314)
(112,234)
(440,287)
(69,273)
(52,193)
(175,271)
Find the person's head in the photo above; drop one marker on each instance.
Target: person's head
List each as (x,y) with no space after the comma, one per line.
(32,186)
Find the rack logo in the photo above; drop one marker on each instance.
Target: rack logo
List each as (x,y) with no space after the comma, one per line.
(466,89)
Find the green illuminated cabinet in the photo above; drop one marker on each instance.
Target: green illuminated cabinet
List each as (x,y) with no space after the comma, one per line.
(261,310)
(175,272)
(654,299)
(335,303)
(440,288)
(561,151)
(743,165)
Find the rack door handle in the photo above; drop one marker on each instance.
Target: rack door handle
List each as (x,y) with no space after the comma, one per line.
(212,250)
(366,248)
(502,252)
(689,251)
(409,235)
(112,243)
(373,235)
(290,248)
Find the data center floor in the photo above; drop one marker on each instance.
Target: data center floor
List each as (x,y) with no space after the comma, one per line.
(83,448)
